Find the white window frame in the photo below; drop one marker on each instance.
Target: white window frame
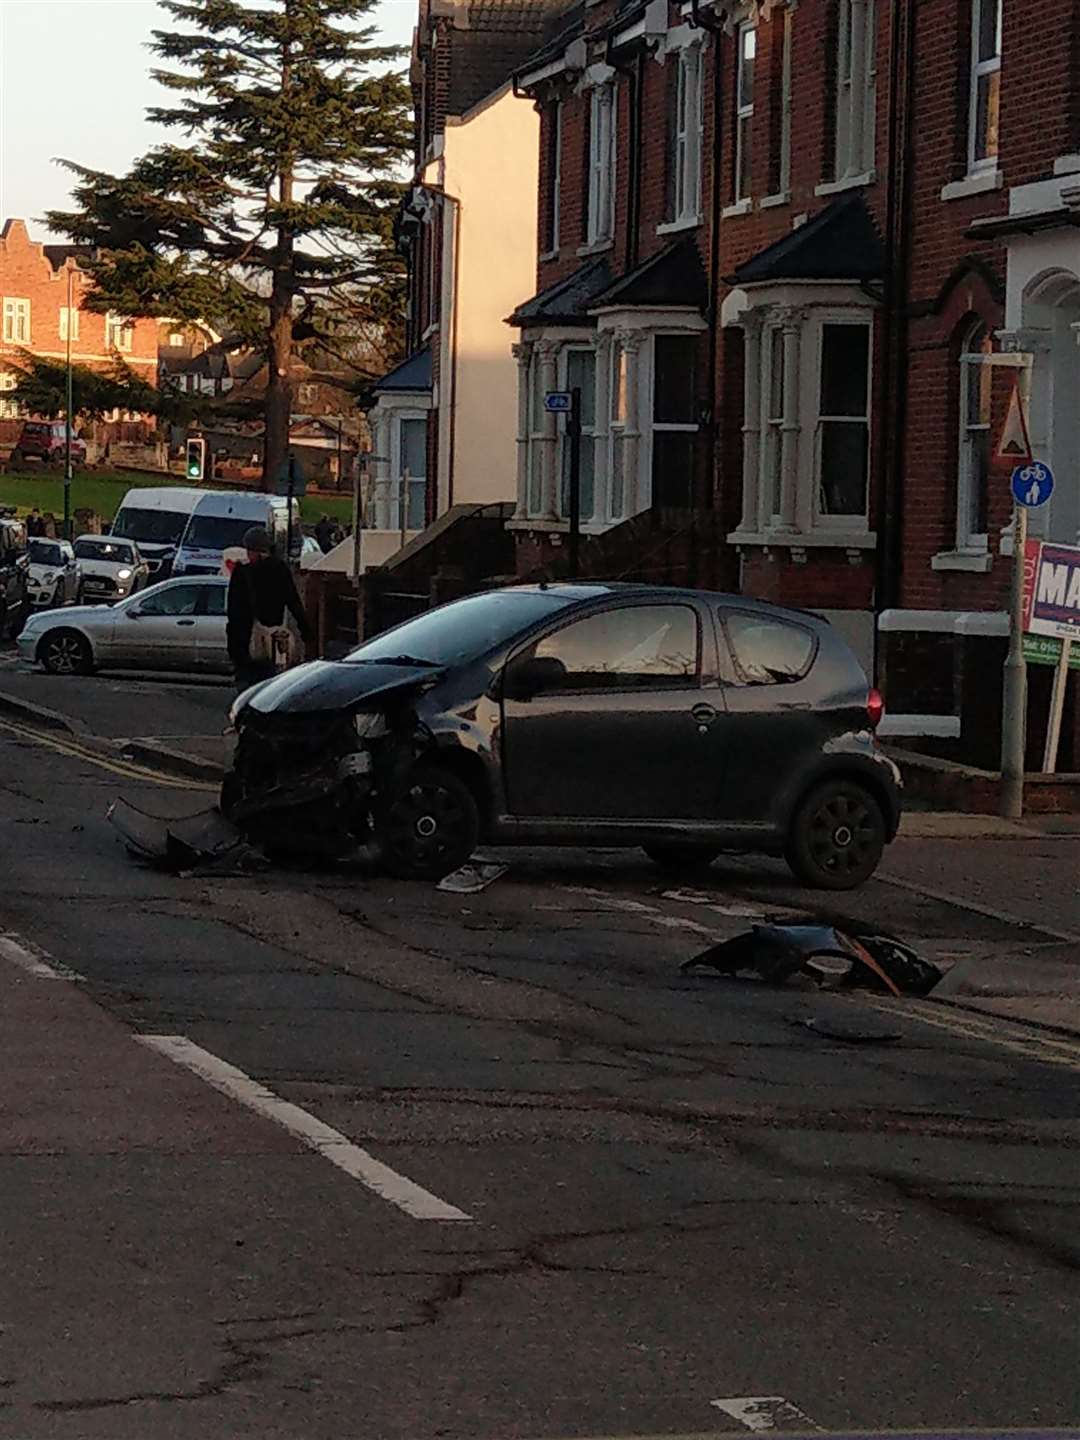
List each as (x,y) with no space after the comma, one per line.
(773,417)
(16,320)
(176,339)
(972,373)
(820,519)
(588,433)
(652,427)
(784,168)
(600,222)
(9,409)
(69,317)
(618,366)
(537,433)
(119,333)
(744,114)
(687,141)
(980,70)
(393,482)
(856,89)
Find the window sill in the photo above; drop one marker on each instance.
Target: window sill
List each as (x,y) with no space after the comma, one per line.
(805,539)
(672,227)
(979,182)
(773,202)
(740,207)
(432,329)
(596,247)
(547,255)
(522,523)
(977,562)
(849,182)
(1067,165)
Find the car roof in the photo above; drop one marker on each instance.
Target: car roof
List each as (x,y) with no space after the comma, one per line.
(582,591)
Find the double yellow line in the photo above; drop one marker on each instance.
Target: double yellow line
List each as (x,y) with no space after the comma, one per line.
(127,769)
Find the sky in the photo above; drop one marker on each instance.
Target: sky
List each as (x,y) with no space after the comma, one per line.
(75,83)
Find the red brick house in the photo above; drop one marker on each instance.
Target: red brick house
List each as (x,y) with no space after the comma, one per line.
(36,317)
(776,239)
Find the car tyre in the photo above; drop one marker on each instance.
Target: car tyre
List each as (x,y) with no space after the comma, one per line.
(837,836)
(677,857)
(66,652)
(429,826)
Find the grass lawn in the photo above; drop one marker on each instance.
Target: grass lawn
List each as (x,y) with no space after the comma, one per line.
(103,490)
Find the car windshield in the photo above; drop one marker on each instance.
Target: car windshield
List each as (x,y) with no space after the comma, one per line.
(216,532)
(463,630)
(42,552)
(107,550)
(156,527)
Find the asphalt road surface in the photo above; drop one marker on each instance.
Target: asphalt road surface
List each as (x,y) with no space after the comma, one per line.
(327,1155)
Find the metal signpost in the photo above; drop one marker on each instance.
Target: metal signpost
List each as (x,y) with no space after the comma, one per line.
(568,403)
(67,413)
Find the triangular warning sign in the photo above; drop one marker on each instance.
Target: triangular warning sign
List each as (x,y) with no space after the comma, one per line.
(1015,443)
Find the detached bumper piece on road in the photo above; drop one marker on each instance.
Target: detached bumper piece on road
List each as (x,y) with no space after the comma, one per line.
(824,955)
(205,843)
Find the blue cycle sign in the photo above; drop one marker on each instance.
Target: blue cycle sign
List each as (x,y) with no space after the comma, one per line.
(558,402)
(1032,484)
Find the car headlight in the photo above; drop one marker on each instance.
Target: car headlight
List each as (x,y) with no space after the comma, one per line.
(47,579)
(123,574)
(369,725)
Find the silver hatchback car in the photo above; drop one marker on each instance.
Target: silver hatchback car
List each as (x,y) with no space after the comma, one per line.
(176,625)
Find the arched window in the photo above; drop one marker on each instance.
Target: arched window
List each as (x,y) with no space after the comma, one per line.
(973,468)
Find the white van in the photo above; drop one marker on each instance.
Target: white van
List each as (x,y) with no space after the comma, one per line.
(156,520)
(219,522)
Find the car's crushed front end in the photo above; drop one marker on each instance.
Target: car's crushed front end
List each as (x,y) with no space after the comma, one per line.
(307,773)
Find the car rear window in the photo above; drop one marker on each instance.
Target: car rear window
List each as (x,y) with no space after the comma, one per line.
(768,651)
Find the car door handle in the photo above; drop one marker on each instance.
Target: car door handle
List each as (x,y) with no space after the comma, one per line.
(703,715)
(185,622)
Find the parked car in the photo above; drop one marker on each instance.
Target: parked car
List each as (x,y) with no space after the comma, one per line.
(54,573)
(681,721)
(47,440)
(175,625)
(155,519)
(109,569)
(14,575)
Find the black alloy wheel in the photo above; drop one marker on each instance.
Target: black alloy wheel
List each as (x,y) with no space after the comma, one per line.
(429,827)
(837,836)
(66,652)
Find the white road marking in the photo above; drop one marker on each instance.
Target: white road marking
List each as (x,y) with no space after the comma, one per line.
(1011,1035)
(765,1412)
(324,1139)
(34,960)
(636,907)
(1004,916)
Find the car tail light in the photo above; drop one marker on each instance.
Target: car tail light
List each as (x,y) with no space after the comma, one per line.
(875,708)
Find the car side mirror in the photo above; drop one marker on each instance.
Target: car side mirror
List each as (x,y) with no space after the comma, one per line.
(134,614)
(527,678)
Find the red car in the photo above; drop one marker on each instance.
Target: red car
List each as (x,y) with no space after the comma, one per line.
(47,440)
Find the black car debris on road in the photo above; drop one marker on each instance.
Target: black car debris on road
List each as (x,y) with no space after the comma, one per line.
(685,722)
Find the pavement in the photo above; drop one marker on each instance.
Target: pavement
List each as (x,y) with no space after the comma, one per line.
(318,1155)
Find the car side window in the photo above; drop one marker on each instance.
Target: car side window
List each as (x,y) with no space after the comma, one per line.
(767,651)
(636,647)
(180,600)
(213,599)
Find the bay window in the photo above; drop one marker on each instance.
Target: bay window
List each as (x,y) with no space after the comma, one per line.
(674,419)
(617,415)
(843,422)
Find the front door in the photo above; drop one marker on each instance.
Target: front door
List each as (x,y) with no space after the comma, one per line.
(624,729)
(158,631)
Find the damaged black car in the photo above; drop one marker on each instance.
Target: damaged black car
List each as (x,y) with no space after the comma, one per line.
(685,722)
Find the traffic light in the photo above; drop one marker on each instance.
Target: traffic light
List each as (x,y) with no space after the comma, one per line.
(195,468)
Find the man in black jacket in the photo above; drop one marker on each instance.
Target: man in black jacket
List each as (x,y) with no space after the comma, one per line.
(263,590)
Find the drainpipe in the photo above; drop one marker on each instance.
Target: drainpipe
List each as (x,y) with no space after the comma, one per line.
(893,389)
(715,28)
